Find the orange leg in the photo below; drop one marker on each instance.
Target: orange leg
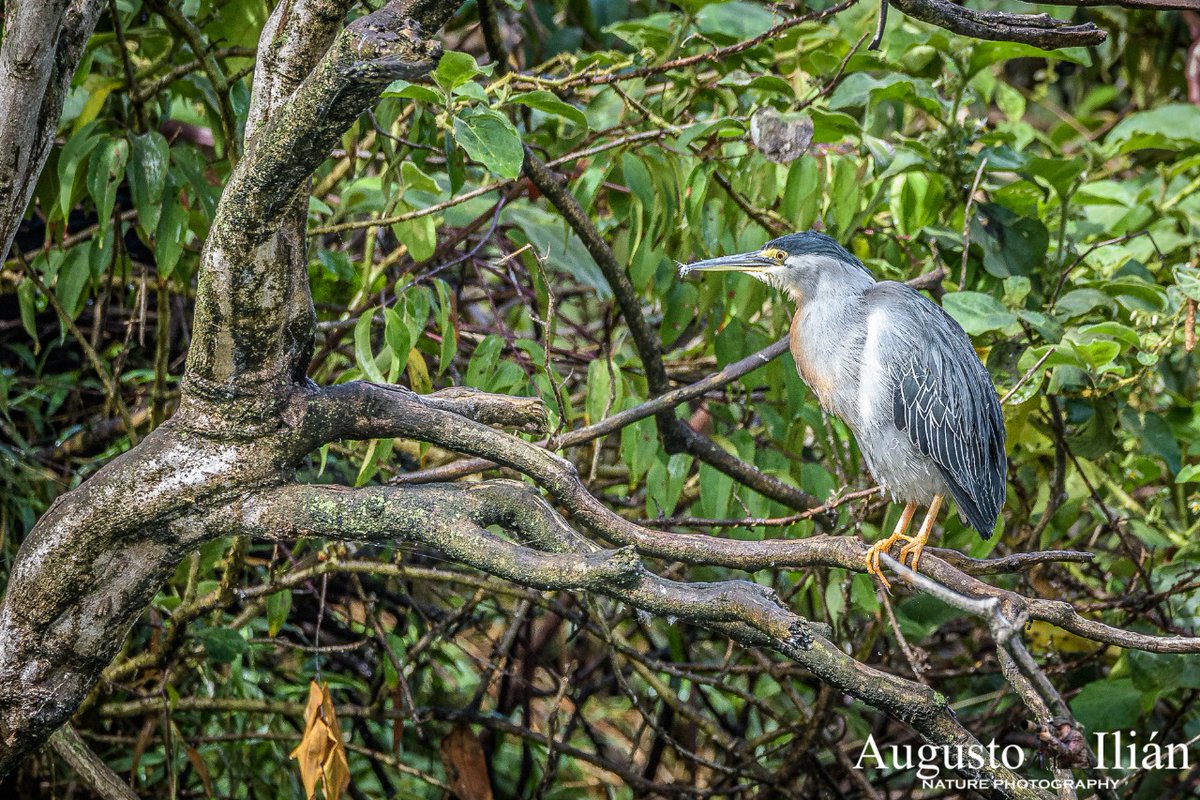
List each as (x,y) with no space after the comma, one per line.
(882,546)
(917,545)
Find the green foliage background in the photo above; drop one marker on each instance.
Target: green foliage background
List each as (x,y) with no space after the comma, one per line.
(433,264)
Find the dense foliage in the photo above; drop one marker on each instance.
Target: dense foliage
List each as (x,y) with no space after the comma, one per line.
(1052,195)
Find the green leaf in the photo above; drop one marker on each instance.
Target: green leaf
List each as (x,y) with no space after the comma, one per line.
(397,336)
(72,157)
(171,234)
(419,235)
(916,201)
(1189,474)
(278,606)
(415,179)
(1108,705)
(550,104)
(98,90)
(404,90)
(1167,127)
(362,348)
(73,277)
(557,244)
(1059,173)
(984,54)
(1011,244)
(147,173)
(106,168)
(27,299)
(801,200)
(445,327)
(490,139)
(599,390)
(1188,281)
(454,69)
(221,644)
(734,21)
(978,313)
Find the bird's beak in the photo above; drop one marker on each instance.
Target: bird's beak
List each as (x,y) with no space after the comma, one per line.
(742,262)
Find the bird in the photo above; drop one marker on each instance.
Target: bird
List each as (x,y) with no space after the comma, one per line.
(900,372)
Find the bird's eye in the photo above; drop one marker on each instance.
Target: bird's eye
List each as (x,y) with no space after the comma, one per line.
(776,255)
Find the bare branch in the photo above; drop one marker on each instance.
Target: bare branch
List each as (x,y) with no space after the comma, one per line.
(451,517)
(43,42)
(246,343)
(616,422)
(1038,30)
(89,766)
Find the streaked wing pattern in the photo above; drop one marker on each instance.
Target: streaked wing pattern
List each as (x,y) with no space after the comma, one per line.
(944,400)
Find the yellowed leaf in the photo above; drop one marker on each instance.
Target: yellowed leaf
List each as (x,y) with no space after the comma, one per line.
(322,753)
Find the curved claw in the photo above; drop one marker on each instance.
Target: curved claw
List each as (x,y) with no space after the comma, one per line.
(882,546)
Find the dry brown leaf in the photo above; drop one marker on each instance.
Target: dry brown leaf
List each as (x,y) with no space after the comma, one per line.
(466,764)
(321,752)
(201,769)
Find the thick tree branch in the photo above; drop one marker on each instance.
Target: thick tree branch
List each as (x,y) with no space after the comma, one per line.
(452,517)
(363,410)
(1038,30)
(95,559)
(42,44)
(88,766)
(246,344)
(1156,5)
(608,425)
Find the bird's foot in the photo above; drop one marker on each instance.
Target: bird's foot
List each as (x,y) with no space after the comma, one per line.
(883,546)
(915,546)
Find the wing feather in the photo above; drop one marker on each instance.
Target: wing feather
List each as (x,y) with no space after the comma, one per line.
(943,399)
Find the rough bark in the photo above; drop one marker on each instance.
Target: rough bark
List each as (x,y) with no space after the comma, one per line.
(43,42)
(95,559)
(1039,30)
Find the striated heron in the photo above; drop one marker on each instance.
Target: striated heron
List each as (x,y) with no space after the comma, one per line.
(902,375)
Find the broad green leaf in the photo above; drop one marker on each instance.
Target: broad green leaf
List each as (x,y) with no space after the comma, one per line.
(106,169)
(171,235)
(1167,126)
(418,235)
(397,336)
(978,313)
(363,353)
(1188,281)
(221,644)
(917,199)
(278,605)
(454,69)
(414,178)
(27,300)
(550,104)
(147,173)
(490,139)
(74,153)
(99,89)
(1108,705)
(404,90)
(600,390)
(801,200)
(1011,244)
(73,278)
(445,327)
